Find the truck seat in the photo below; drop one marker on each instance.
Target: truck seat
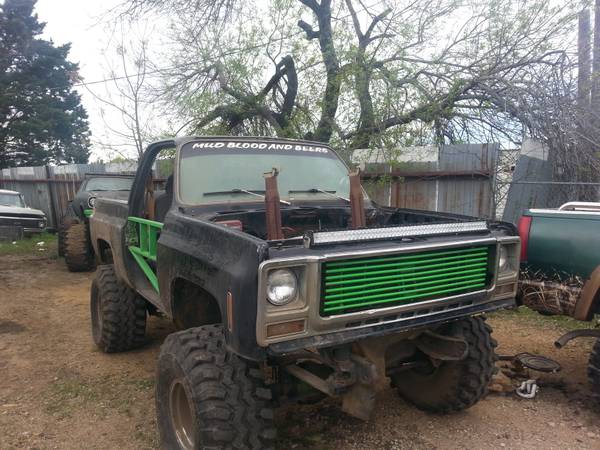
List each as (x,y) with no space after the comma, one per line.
(164,200)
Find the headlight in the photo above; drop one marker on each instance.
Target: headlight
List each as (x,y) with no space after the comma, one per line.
(42,224)
(282,287)
(503,259)
(91,202)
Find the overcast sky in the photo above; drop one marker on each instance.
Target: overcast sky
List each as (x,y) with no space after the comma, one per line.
(79,22)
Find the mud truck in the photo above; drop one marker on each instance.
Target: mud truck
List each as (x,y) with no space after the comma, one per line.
(73,231)
(289,284)
(560,269)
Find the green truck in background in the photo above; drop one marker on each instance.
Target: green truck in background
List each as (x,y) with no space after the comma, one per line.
(560,269)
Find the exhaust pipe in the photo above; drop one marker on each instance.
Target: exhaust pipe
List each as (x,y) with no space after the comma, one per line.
(357,201)
(272,211)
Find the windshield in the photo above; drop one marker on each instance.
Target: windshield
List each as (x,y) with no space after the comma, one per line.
(109,184)
(11,200)
(223,172)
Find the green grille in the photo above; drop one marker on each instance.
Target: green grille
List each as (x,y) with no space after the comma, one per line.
(383,281)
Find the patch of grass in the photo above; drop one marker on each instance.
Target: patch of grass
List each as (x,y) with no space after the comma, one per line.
(531,317)
(100,396)
(29,246)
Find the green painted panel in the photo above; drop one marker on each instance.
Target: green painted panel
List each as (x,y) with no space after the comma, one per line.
(148,232)
(564,244)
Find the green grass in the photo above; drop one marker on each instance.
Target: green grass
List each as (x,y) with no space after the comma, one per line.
(72,393)
(526,315)
(29,246)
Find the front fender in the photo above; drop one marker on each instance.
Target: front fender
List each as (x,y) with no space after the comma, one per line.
(220,260)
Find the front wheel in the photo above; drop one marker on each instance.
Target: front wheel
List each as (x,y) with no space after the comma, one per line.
(451,386)
(208,397)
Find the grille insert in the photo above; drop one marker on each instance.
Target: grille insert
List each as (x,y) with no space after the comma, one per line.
(383,281)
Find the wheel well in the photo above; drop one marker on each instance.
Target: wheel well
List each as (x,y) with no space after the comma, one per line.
(105,252)
(193,306)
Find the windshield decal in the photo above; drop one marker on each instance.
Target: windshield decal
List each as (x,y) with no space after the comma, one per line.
(277,146)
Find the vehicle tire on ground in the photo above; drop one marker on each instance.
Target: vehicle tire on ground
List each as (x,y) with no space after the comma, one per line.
(594,369)
(453,385)
(208,397)
(118,313)
(79,255)
(61,236)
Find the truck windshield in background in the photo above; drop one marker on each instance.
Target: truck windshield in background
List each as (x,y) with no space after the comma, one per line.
(11,200)
(109,184)
(229,171)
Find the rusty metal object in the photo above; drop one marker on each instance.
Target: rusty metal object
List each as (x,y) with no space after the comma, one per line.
(359,401)
(311,379)
(357,201)
(272,211)
(562,341)
(584,309)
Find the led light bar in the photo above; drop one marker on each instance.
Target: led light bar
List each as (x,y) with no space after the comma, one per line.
(372,234)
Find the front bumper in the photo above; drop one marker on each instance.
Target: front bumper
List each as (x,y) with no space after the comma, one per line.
(308,328)
(423,321)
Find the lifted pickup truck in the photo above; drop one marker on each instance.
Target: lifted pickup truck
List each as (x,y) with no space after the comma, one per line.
(288,283)
(73,232)
(560,268)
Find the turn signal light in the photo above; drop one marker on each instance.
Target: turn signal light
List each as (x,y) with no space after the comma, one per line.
(284,328)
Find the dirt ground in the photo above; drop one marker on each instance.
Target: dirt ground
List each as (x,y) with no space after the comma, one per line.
(57,391)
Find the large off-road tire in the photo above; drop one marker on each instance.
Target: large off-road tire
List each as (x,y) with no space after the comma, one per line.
(594,369)
(209,398)
(60,235)
(453,385)
(79,254)
(118,313)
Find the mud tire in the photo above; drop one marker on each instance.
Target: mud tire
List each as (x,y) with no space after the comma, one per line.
(453,385)
(228,404)
(79,255)
(61,236)
(118,313)
(593,370)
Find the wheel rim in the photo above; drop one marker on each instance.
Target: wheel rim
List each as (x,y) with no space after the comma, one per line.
(181,416)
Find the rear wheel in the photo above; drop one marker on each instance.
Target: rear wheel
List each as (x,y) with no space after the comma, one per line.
(61,236)
(450,386)
(118,313)
(79,255)
(208,397)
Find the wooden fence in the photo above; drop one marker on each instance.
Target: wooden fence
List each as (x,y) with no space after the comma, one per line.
(456,178)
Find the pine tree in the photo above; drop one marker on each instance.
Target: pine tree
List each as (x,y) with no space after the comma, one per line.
(41,117)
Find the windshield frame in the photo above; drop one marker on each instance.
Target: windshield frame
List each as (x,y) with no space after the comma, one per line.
(250,200)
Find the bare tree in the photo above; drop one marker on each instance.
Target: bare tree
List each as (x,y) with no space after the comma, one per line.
(123,102)
(365,75)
